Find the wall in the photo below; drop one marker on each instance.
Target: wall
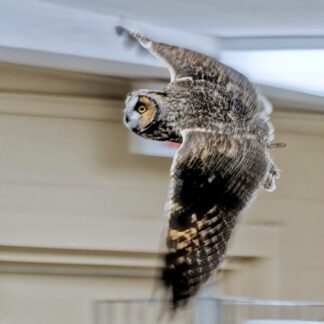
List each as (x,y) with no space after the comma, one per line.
(80,217)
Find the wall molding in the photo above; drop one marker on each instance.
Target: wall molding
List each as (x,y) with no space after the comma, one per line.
(34,91)
(61,261)
(61,107)
(24,79)
(67,261)
(298,122)
(54,106)
(250,243)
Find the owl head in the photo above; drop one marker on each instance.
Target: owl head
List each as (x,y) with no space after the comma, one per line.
(144,111)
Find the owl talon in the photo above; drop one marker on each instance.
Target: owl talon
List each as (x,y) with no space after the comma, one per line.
(270,181)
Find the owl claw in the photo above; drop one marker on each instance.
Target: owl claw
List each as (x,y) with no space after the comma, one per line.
(270,181)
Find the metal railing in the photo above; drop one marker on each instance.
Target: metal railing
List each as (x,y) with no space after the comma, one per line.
(209,311)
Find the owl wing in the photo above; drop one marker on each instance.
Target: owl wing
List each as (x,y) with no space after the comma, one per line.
(213,177)
(185,63)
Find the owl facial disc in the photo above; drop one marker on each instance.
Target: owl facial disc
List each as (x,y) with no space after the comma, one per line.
(139,112)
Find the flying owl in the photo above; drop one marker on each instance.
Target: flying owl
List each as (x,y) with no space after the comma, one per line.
(222,123)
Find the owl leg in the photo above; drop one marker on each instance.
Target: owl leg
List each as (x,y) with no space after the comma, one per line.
(269,183)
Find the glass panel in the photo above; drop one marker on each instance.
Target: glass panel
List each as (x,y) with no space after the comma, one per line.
(209,311)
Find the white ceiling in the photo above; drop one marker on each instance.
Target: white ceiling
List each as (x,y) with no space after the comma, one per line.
(217,17)
(79,35)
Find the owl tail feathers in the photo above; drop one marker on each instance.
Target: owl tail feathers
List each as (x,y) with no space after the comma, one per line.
(270,181)
(177,287)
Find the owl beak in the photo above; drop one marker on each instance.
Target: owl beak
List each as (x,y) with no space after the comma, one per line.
(130,122)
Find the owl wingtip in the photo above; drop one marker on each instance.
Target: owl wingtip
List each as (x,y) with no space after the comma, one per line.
(124,27)
(120,30)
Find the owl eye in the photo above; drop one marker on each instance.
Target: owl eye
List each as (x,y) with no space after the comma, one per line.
(141,109)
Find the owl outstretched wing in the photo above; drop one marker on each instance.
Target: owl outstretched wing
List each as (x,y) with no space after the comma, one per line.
(185,63)
(213,177)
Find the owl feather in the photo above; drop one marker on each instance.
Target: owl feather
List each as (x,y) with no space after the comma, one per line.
(222,123)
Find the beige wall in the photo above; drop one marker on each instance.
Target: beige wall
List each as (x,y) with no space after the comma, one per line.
(80,217)
(297,207)
(61,299)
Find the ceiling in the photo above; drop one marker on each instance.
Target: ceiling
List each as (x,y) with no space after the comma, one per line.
(276,43)
(216,17)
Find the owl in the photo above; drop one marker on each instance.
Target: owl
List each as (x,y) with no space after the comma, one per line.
(222,123)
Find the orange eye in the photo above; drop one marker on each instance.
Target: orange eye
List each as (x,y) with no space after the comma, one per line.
(141,109)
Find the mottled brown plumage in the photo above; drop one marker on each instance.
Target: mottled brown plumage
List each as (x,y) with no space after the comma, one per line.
(222,123)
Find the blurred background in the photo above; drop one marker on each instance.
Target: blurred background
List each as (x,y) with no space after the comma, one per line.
(81,201)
